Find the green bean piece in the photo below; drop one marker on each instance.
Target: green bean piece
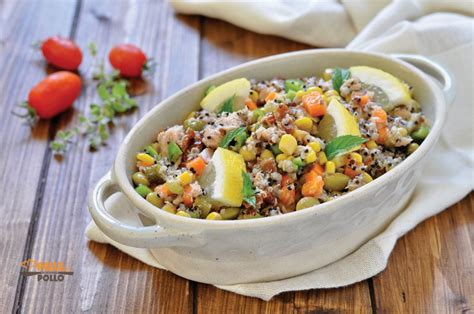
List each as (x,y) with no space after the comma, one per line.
(140,178)
(297,161)
(293,85)
(196,125)
(275,149)
(143,190)
(150,150)
(152,173)
(203,204)
(257,114)
(175,187)
(420,134)
(306,202)
(291,95)
(335,182)
(228,213)
(154,199)
(170,208)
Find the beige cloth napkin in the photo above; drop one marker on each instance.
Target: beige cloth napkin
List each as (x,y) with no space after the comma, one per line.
(420,27)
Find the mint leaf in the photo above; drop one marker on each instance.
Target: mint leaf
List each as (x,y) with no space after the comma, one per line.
(338,77)
(248,192)
(228,104)
(174,151)
(230,136)
(342,144)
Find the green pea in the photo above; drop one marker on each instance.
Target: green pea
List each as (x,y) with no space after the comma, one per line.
(291,95)
(196,125)
(143,190)
(204,205)
(257,114)
(175,187)
(154,199)
(293,85)
(140,178)
(420,134)
(335,182)
(228,213)
(306,202)
(298,162)
(412,147)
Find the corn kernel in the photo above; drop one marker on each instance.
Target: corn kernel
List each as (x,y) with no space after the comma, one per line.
(304,123)
(371,144)
(253,96)
(357,157)
(330,167)
(247,154)
(266,154)
(300,94)
(280,157)
(182,213)
(288,144)
(146,159)
(186,178)
(315,146)
(322,158)
(299,135)
(366,177)
(169,208)
(314,89)
(402,131)
(327,75)
(340,160)
(310,157)
(214,216)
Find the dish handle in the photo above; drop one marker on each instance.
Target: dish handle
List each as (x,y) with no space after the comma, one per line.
(435,70)
(141,237)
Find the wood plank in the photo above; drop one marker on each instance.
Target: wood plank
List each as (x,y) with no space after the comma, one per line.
(223,46)
(23,150)
(431,269)
(106,280)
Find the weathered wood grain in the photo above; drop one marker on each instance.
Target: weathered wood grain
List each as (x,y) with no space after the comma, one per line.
(106,280)
(22,150)
(223,46)
(431,269)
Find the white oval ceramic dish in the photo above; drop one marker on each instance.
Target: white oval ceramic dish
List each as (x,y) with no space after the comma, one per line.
(255,250)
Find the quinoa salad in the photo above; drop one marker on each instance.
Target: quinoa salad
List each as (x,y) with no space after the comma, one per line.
(263,148)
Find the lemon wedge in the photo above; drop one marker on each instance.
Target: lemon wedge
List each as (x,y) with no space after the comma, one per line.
(222,178)
(239,88)
(397,92)
(337,121)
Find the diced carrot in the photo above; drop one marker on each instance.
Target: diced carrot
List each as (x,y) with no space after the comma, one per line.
(270,96)
(141,163)
(287,193)
(380,114)
(364,100)
(196,165)
(316,167)
(314,104)
(383,134)
(163,191)
(313,188)
(187,197)
(348,171)
(250,104)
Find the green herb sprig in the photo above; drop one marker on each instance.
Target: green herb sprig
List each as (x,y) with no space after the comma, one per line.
(248,192)
(338,77)
(342,144)
(228,105)
(114,99)
(230,136)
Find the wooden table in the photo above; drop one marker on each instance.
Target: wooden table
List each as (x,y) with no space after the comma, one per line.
(43,200)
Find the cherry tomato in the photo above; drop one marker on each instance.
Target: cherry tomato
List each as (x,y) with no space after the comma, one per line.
(62,53)
(54,94)
(128,59)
